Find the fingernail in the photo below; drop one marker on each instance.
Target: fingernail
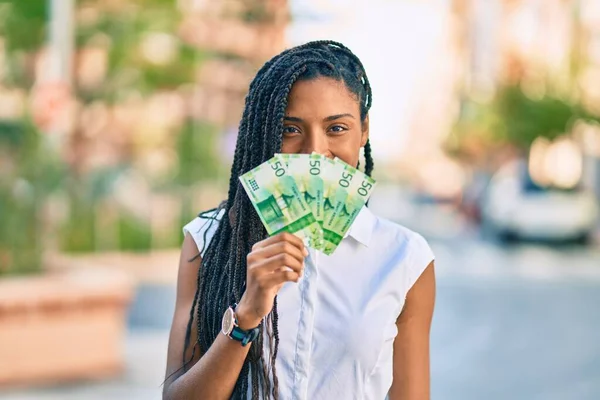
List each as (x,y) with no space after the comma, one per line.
(305,252)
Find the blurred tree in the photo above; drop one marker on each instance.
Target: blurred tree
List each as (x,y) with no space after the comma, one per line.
(525,118)
(23,27)
(514,119)
(197,158)
(23,24)
(32,173)
(123,50)
(139,99)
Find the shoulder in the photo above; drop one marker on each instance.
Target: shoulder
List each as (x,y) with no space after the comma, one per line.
(202,220)
(203,227)
(407,245)
(398,236)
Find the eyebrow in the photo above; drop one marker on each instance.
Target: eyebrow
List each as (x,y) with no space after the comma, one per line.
(327,119)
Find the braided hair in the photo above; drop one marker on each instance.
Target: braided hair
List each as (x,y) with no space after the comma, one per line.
(221,279)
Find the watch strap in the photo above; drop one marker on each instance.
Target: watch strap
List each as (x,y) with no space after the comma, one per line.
(243,336)
(239,334)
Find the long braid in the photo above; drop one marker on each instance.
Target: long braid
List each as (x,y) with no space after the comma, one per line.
(368,159)
(221,279)
(275,348)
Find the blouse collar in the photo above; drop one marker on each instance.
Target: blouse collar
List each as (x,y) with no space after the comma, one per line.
(363,226)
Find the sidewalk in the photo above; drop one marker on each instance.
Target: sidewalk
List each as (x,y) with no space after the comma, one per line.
(145,357)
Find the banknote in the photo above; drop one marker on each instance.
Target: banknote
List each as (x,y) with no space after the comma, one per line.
(279,203)
(311,196)
(307,172)
(347,191)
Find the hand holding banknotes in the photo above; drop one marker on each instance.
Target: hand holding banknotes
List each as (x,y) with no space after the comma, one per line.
(308,195)
(271,263)
(302,199)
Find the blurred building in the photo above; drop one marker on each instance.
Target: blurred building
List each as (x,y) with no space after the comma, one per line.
(242,35)
(543,47)
(589,84)
(509,41)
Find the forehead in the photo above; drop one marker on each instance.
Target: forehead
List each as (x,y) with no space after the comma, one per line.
(321,96)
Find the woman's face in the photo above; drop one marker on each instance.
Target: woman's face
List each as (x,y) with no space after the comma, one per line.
(323,116)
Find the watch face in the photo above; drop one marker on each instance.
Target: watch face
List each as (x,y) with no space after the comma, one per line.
(228,321)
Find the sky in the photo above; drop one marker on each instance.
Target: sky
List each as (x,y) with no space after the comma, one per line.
(397,41)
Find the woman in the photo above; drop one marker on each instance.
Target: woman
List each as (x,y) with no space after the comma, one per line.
(351,325)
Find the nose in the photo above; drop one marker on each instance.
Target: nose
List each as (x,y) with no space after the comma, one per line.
(317,142)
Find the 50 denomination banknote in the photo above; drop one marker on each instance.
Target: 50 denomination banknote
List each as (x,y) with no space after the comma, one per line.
(311,196)
(278,202)
(307,172)
(348,190)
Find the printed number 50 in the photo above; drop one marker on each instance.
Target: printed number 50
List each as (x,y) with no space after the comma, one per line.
(278,168)
(364,189)
(346,178)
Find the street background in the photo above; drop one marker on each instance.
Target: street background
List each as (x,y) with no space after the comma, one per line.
(117,125)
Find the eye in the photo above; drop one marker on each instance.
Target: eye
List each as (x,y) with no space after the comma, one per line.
(337,129)
(290,130)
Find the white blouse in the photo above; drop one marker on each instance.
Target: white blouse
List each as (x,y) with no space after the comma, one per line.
(337,325)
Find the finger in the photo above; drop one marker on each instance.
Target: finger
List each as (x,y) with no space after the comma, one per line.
(278,261)
(301,273)
(277,278)
(278,248)
(280,237)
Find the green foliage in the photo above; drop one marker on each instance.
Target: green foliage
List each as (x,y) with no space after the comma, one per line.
(23,26)
(127,68)
(524,119)
(11,135)
(134,234)
(20,247)
(78,233)
(34,172)
(255,11)
(516,119)
(196,147)
(23,23)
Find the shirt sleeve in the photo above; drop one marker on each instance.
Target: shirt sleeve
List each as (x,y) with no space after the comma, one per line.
(421,256)
(202,229)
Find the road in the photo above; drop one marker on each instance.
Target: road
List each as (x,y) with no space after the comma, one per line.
(516,323)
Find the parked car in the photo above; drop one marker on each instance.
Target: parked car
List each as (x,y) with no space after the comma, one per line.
(515,207)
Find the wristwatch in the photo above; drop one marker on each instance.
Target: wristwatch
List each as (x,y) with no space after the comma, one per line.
(229,326)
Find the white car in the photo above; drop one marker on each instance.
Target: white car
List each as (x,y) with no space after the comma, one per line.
(515,207)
